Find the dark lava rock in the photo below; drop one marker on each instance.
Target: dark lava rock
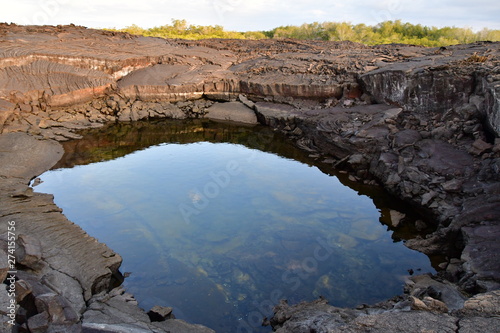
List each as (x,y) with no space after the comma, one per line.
(160,313)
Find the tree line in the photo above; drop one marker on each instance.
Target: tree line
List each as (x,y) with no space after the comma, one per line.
(383,33)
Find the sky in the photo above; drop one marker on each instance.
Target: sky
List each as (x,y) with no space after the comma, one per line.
(251,15)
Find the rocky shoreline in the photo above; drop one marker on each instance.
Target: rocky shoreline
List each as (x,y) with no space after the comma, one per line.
(422,122)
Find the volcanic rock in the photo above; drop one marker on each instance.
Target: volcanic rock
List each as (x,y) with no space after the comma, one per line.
(418,122)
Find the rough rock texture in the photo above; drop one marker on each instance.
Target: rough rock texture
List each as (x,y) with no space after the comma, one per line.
(318,316)
(39,224)
(117,311)
(393,316)
(422,122)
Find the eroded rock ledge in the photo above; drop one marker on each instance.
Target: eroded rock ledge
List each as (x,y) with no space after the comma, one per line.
(422,122)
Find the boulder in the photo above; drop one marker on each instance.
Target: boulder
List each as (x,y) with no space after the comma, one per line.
(29,251)
(39,323)
(487,304)
(23,288)
(423,286)
(232,111)
(160,313)
(58,309)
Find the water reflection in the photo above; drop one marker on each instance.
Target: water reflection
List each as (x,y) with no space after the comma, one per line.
(214,225)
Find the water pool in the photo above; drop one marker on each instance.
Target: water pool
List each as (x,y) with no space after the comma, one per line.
(220,223)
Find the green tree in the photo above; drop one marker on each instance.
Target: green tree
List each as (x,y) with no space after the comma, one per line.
(382,33)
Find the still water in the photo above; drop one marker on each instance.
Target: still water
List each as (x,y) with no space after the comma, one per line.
(220,222)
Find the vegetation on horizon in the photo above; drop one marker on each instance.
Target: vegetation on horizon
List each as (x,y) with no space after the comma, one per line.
(383,33)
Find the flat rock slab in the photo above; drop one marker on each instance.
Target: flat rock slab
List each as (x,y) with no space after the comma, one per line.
(269,112)
(23,156)
(232,111)
(443,158)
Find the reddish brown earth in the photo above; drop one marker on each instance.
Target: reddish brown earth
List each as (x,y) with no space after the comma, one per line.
(421,122)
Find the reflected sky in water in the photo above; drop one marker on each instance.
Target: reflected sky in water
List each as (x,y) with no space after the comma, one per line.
(220,231)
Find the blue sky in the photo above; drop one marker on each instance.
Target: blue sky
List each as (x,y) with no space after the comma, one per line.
(245,15)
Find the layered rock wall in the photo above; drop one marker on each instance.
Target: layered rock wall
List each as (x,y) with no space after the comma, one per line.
(492,104)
